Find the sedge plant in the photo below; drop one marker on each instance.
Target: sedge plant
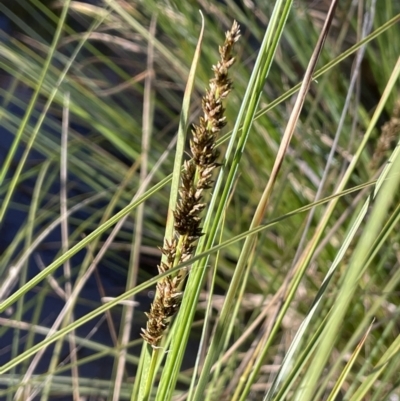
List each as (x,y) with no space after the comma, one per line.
(277,276)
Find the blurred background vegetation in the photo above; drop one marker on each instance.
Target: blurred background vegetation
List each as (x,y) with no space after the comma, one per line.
(117,76)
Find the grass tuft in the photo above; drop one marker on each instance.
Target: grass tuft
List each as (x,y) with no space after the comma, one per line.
(278,276)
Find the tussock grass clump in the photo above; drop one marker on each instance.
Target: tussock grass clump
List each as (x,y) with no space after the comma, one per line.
(303,217)
(196,177)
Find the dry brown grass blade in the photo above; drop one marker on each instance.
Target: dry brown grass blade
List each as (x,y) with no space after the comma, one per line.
(294,116)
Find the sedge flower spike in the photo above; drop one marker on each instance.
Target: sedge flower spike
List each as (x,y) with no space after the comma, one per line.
(196,177)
